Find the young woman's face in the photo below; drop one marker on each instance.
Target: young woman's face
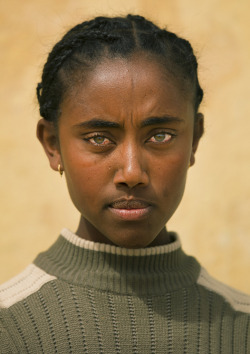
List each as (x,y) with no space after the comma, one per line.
(126,141)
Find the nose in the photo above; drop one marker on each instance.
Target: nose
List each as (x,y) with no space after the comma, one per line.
(131,171)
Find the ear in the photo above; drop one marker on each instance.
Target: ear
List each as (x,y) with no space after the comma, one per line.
(47,135)
(198,132)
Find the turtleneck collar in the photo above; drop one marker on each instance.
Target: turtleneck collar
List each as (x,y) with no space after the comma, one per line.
(153,270)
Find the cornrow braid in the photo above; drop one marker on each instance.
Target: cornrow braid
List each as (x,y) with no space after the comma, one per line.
(87,43)
(185,58)
(57,57)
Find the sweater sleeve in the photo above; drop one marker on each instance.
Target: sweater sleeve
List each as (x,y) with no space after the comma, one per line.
(6,344)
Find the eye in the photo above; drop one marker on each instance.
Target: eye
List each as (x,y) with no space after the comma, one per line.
(98,140)
(160,138)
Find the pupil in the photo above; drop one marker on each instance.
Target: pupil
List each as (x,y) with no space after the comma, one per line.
(98,139)
(159,137)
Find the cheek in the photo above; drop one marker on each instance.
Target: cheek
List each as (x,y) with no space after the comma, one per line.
(84,188)
(169,178)
(171,168)
(85,177)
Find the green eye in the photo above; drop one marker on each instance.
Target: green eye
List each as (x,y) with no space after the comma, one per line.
(160,137)
(99,139)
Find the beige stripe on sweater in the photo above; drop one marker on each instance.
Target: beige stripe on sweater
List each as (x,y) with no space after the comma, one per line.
(24,284)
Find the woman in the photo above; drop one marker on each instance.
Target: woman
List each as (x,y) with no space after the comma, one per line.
(119,100)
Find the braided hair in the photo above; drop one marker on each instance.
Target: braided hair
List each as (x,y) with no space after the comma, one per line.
(82,47)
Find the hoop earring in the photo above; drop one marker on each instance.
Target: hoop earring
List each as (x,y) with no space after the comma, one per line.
(60,169)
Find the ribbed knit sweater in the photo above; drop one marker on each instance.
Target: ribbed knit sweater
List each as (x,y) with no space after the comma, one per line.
(85,297)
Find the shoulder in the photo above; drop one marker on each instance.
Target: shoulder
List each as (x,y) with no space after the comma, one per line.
(238,300)
(24,284)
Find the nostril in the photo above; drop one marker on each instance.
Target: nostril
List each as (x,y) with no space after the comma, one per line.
(131,178)
(130,166)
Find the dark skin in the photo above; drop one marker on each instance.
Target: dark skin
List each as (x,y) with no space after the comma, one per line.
(125,140)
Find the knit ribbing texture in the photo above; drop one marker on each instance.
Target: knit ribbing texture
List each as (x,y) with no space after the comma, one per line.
(95,299)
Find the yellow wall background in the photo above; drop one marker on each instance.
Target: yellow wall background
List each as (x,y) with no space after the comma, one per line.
(214,217)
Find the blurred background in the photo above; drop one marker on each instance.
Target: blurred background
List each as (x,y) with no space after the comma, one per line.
(213,219)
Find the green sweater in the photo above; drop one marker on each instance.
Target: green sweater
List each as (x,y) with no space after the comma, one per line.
(85,297)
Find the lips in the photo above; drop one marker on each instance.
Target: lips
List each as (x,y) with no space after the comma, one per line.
(130,209)
(129,204)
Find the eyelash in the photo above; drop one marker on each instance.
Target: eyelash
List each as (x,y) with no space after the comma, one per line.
(98,135)
(171,135)
(110,142)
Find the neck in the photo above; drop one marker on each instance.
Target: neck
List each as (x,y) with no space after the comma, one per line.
(151,270)
(87,231)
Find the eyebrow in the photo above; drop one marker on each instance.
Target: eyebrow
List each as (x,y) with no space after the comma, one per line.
(101,123)
(161,120)
(98,123)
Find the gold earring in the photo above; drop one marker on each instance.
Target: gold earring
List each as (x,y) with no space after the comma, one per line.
(60,169)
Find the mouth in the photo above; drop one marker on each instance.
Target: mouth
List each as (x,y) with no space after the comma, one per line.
(130,209)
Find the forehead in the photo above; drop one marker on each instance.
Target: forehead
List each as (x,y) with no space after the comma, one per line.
(135,86)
